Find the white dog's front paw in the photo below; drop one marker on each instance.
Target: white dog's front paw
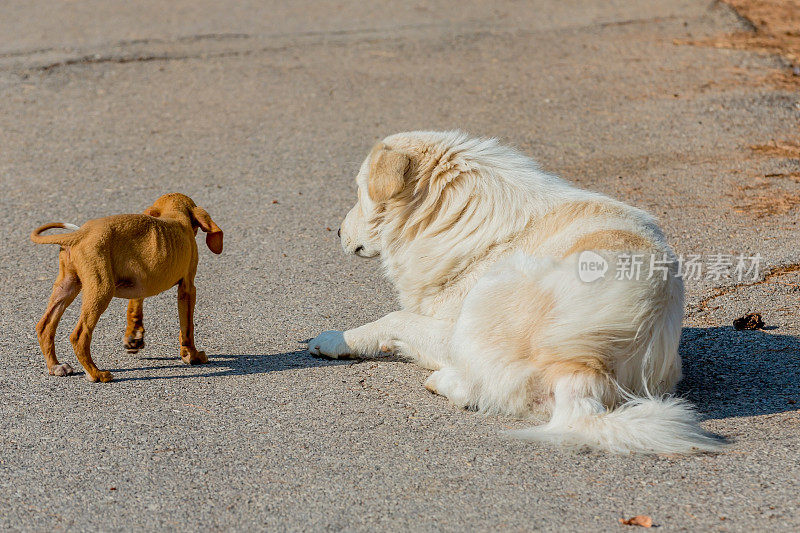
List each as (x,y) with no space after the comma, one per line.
(329,344)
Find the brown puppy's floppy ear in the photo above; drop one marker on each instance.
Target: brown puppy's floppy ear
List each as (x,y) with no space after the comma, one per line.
(214,238)
(387,173)
(152,211)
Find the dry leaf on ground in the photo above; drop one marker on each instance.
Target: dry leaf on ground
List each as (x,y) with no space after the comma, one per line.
(641,520)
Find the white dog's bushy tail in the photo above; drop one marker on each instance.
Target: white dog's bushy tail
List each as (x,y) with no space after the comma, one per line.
(646,425)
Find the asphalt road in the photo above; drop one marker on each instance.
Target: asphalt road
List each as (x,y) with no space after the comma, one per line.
(262,112)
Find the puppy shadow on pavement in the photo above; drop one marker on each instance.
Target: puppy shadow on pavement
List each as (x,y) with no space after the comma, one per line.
(223,365)
(730,373)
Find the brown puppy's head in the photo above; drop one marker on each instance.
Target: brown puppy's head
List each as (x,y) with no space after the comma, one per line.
(180,206)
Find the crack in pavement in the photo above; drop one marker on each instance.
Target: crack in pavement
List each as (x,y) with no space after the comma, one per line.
(214,37)
(293,40)
(133,42)
(94,60)
(774,272)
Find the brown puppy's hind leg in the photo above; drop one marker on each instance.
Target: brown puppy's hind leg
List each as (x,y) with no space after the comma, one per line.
(96,297)
(186,299)
(65,289)
(134,332)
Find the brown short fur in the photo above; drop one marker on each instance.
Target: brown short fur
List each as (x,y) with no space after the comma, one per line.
(126,256)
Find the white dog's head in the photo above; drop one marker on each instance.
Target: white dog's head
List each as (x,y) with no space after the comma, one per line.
(434,198)
(381,177)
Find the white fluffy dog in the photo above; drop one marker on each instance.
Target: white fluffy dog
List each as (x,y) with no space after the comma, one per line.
(485,251)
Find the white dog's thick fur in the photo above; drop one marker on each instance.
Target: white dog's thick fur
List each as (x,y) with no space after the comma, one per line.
(483,249)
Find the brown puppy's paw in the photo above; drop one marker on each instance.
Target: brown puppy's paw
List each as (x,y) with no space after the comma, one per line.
(61,370)
(103,376)
(190,356)
(134,343)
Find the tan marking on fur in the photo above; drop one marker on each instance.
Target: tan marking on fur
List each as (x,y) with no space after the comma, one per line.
(557,365)
(563,216)
(386,173)
(519,342)
(553,364)
(523,332)
(614,239)
(528,312)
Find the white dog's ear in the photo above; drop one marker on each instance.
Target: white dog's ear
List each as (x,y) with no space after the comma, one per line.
(387,173)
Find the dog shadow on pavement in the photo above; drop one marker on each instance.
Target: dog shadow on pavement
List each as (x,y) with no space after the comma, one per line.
(727,373)
(730,373)
(223,365)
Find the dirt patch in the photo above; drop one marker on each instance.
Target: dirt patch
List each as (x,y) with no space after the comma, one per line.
(793,176)
(739,77)
(788,149)
(776,24)
(787,81)
(775,29)
(773,202)
(761,183)
(776,203)
(767,201)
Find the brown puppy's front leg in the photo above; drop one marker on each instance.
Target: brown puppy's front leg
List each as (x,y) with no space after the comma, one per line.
(96,298)
(186,298)
(65,289)
(134,332)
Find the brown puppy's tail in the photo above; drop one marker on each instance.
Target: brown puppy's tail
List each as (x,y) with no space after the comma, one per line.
(64,239)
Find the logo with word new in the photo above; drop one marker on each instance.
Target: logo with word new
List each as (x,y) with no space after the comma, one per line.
(591,266)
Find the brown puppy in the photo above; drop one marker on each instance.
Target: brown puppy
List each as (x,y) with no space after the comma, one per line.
(127,256)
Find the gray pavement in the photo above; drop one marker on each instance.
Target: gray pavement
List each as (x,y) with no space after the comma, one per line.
(105,105)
